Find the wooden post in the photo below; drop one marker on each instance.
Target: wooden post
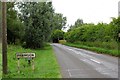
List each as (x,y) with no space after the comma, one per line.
(4,38)
(33,67)
(18,65)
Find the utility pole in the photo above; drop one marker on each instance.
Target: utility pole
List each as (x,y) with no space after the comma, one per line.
(4,39)
(118,8)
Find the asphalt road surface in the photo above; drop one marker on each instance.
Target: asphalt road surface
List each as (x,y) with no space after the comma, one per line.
(80,63)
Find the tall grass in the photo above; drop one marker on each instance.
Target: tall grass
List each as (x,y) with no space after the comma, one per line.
(100,47)
(0,60)
(106,45)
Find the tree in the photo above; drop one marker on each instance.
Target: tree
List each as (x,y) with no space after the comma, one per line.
(38,18)
(15,27)
(58,21)
(115,28)
(57,35)
(77,24)
(90,33)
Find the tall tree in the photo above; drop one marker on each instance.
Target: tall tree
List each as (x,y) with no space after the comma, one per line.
(115,28)
(15,27)
(78,23)
(37,18)
(59,21)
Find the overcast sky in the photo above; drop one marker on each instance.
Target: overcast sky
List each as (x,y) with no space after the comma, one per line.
(91,11)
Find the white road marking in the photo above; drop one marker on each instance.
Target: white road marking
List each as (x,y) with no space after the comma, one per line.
(72,69)
(85,56)
(73,51)
(95,61)
(69,73)
(70,49)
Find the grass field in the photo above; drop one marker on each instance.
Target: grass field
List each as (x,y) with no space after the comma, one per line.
(46,65)
(96,49)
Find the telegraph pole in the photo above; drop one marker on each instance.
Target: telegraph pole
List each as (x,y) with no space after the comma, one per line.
(4,39)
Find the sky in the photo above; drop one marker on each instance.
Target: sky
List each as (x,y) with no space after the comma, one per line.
(91,11)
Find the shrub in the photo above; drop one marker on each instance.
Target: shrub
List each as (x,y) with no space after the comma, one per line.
(62,41)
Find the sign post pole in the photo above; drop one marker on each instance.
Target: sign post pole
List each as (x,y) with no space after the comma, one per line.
(18,65)
(33,64)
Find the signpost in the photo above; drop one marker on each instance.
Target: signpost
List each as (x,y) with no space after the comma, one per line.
(29,56)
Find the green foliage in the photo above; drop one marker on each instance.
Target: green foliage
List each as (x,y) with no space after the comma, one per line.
(40,20)
(101,35)
(37,19)
(57,35)
(58,21)
(77,24)
(112,52)
(62,41)
(33,23)
(0,60)
(115,28)
(90,32)
(15,28)
(42,61)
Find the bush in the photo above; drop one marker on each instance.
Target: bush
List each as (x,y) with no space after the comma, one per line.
(92,33)
(62,41)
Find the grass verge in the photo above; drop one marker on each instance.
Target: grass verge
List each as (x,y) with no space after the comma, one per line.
(0,60)
(46,65)
(96,49)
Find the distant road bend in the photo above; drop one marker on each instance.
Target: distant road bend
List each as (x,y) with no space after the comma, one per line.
(80,63)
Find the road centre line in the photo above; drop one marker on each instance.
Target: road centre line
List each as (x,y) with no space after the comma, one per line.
(85,55)
(95,61)
(73,51)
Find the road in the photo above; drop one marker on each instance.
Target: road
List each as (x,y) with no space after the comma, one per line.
(80,63)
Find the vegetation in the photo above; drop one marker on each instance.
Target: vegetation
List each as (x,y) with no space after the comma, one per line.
(45,62)
(0,66)
(62,41)
(77,24)
(112,52)
(33,24)
(28,30)
(100,36)
(0,22)
(0,59)
(15,28)
(36,23)
(57,35)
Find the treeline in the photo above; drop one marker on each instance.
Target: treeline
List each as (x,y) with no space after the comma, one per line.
(100,35)
(32,23)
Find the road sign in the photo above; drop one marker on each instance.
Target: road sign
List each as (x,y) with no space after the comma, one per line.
(25,55)
(29,56)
